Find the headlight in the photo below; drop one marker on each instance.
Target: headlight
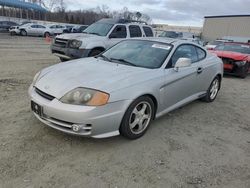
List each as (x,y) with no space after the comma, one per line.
(84,96)
(75,44)
(35,78)
(240,63)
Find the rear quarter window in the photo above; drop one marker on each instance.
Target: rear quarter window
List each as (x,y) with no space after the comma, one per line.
(148,31)
(135,31)
(200,53)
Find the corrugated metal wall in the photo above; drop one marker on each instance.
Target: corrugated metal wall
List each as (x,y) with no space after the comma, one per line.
(215,28)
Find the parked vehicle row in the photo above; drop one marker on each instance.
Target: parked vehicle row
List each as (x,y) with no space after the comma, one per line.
(35,29)
(182,35)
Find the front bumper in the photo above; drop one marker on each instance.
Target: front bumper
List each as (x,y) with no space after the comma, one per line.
(235,68)
(16,31)
(98,122)
(69,53)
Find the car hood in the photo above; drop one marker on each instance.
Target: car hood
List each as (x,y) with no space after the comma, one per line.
(90,73)
(232,55)
(77,36)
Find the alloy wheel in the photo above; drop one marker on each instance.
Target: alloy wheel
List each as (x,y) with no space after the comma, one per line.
(140,117)
(214,89)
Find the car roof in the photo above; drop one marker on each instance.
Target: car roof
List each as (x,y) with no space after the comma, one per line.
(239,43)
(167,40)
(120,21)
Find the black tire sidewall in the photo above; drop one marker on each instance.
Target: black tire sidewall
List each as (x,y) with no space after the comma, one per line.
(244,70)
(208,98)
(46,34)
(124,127)
(23,33)
(94,53)
(62,59)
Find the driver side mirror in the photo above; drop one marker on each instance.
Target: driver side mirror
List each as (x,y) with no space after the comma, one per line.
(182,62)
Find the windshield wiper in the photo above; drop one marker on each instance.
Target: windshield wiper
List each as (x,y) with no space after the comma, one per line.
(104,57)
(124,61)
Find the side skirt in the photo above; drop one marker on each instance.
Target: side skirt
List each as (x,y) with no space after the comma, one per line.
(181,103)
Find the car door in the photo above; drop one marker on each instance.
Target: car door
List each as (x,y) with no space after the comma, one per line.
(118,34)
(32,30)
(52,29)
(40,30)
(183,85)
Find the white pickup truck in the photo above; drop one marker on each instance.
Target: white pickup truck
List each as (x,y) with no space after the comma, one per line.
(98,37)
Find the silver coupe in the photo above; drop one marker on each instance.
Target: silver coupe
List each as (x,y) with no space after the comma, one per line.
(126,87)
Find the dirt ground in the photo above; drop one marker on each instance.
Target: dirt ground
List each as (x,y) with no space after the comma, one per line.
(199,145)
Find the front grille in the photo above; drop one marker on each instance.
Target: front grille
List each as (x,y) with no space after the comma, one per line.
(61,42)
(44,95)
(227,60)
(59,52)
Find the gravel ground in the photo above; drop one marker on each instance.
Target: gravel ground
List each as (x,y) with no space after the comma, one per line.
(199,145)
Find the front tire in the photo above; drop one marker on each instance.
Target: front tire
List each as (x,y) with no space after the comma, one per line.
(137,118)
(95,52)
(212,90)
(23,33)
(62,59)
(244,71)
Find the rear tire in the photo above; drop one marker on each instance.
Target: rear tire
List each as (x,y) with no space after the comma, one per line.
(23,33)
(137,118)
(62,59)
(212,90)
(94,52)
(47,34)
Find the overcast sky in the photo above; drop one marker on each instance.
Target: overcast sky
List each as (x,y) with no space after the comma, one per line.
(173,12)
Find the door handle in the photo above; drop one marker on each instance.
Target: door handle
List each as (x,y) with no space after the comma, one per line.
(199,70)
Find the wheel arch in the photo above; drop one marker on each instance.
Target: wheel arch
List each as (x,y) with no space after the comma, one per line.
(154,101)
(101,48)
(220,78)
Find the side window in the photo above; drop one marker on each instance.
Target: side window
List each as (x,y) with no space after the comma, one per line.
(184,51)
(201,53)
(33,26)
(135,31)
(219,47)
(40,26)
(148,31)
(53,27)
(119,32)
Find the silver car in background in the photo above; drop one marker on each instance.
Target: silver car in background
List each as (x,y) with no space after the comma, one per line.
(34,29)
(123,89)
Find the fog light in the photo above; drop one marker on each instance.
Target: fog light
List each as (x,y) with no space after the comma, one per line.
(76,128)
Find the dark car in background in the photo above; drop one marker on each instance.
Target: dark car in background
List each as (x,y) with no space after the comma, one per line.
(171,34)
(5,25)
(235,57)
(79,28)
(68,28)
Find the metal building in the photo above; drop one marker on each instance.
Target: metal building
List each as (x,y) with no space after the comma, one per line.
(20,8)
(216,27)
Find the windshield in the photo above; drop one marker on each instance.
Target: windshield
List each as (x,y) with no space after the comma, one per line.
(147,54)
(240,48)
(100,29)
(170,34)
